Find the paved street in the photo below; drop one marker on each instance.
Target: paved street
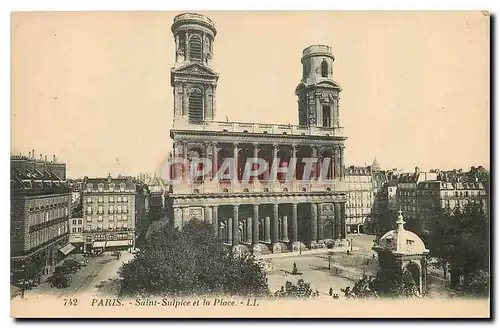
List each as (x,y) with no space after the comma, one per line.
(344,269)
(97,277)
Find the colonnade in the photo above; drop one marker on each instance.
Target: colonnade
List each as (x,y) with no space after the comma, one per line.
(282,154)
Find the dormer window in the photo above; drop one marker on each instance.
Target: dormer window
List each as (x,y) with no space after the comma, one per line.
(100,187)
(122,187)
(111,186)
(89,187)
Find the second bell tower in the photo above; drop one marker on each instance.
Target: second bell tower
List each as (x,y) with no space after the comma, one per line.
(192,77)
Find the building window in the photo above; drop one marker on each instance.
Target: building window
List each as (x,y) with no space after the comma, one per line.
(327,120)
(89,210)
(100,210)
(118,199)
(99,219)
(324,68)
(125,199)
(111,209)
(89,200)
(124,209)
(122,187)
(111,199)
(195,47)
(111,226)
(74,222)
(195,105)
(73,229)
(89,187)
(79,229)
(80,221)
(111,186)
(125,225)
(88,228)
(100,200)
(99,226)
(89,219)
(118,209)
(100,187)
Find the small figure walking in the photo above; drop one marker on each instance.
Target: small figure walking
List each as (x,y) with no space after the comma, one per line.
(330,292)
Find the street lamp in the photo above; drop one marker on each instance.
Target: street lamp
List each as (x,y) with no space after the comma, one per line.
(329,260)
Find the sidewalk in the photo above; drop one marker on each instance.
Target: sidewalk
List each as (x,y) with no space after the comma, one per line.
(306,253)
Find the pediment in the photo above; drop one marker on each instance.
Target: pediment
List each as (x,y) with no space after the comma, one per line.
(195,69)
(329,84)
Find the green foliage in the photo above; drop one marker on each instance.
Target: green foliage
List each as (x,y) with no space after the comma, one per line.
(191,261)
(480,283)
(460,238)
(300,290)
(391,281)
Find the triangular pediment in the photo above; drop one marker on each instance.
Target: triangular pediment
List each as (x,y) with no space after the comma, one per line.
(195,69)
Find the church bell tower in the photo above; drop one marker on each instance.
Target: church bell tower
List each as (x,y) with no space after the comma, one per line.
(318,93)
(192,78)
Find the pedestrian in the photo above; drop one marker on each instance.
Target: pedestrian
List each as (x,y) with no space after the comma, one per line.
(330,292)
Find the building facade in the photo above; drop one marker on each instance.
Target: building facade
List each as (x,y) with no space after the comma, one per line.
(360,199)
(447,195)
(108,213)
(273,212)
(40,209)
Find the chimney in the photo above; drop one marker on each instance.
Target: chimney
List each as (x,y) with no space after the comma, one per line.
(45,157)
(417,170)
(29,156)
(33,153)
(53,158)
(41,157)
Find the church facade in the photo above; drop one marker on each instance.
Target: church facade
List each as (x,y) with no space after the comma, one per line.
(274,211)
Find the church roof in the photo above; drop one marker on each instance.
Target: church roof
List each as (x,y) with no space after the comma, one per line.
(376,165)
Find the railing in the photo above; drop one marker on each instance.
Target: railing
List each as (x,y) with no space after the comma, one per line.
(243,127)
(209,187)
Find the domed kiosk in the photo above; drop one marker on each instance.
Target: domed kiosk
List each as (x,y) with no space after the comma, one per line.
(408,250)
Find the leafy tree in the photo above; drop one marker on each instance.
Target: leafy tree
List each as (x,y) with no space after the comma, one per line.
(191,261)
(460,238)
(301,290)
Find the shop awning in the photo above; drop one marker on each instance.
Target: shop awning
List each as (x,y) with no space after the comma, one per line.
(118,243)
(67,249)
(98,244)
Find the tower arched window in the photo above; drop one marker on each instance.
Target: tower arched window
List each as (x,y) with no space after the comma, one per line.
(324,69)
(195,47)
(196,106)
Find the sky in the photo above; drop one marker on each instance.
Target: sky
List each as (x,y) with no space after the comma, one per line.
(93,88)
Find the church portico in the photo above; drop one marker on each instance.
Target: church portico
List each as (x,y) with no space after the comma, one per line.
(276,224)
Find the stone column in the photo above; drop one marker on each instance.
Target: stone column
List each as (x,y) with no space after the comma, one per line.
(321,234)
(207,215)
(294,223)
(275,161)
(294,155)
(338,162)
(314,223)
(342,221)
(177,217)
(236,164)
(337,214)
(235,225)
(267,229)
(342,173)
(255,155)
(249,231)
(275,234)
(314,154)
(335,163)
(215,219)
(255,231)
(215,157)
(230,230)
(284,225)
(206,107)
(185,100)
(185,170)
(319,110)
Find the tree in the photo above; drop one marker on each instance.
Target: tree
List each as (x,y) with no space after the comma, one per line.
(191,261)
(460,238)
(301,290)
